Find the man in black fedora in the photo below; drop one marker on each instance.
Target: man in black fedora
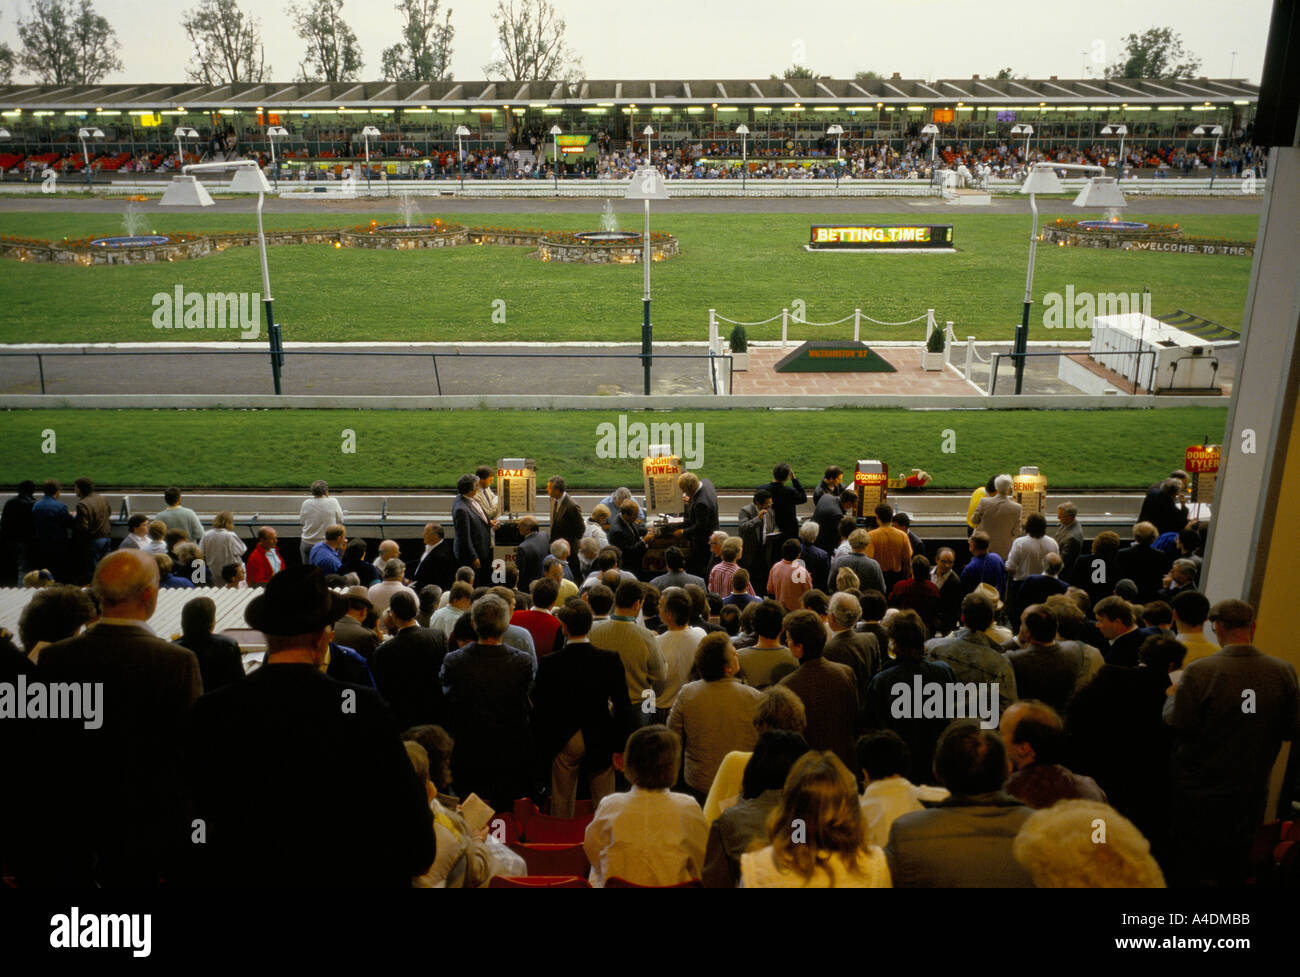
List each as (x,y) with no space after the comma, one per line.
(281,761)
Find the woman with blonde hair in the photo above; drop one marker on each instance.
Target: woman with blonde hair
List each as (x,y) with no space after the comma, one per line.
(221,546)
(818,838)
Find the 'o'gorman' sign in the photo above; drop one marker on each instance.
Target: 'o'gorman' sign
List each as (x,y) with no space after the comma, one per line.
(868,236)
(1201,459)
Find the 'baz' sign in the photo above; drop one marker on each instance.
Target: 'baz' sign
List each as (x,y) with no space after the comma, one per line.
(880,236)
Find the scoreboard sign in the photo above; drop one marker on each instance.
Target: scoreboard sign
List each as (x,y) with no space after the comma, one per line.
(871,482)
(517,484)
(1202,463)
(881,237)
(662,497)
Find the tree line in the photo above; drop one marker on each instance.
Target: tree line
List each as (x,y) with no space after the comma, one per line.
(67,42)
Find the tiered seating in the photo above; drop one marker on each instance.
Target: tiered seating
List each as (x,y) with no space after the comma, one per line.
(10,160)
(113,163)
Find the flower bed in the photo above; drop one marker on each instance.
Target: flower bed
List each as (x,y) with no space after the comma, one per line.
(1155,237)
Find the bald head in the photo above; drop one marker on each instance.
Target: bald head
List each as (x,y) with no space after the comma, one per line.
(127,583)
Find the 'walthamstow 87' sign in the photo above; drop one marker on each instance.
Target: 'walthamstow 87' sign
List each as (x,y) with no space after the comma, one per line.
(872,236)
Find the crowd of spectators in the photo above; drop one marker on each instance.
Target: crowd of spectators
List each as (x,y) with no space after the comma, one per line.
(750,716)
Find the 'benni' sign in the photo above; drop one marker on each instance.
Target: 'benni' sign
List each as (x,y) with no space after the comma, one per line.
(880,236)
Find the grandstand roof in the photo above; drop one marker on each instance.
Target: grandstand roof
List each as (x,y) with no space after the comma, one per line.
(469,94)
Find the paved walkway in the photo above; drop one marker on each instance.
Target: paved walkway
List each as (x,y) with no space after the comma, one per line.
(909,379)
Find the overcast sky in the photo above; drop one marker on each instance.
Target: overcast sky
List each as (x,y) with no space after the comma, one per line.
(672,39)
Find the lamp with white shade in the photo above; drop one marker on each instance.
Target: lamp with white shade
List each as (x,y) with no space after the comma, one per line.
(931,130)
(837,131)
(1101,191)
(272,134)
(556,132)
(1027,131)
(84,134)
(4,134)
(461,132)
(366,133)
(1121,131)
(646,184)
(185,190)
(1216,132)
(649,133)
(742,131)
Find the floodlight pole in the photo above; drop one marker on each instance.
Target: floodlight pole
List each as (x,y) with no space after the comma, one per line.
(272,327)
(366,137)
(1020,345)
(647,331)
(85,155)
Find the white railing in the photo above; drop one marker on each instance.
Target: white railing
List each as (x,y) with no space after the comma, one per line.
(715,339)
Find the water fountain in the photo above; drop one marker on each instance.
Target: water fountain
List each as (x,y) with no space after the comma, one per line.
(609,232)
(408,208)
(132,224)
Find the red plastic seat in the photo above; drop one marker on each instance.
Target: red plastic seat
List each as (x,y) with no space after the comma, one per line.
(552,859)
(538,882)
(568,831)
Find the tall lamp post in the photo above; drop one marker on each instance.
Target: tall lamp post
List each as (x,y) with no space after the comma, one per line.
(461,132)
(186,191)
(83,135)
(272,134)
(837,131)
(1101,191)
(556,132)
(366,133)
(647,184)
(182,133)
(1216,132)
(742,131)
(931,130)
(1027,131)
(4,136)
(649,133)
(1121,131)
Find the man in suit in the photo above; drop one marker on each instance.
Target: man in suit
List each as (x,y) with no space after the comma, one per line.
(581,713)
(566,518)
(787,495)
(485,685)
(51,525)
(1068,535)
(350,630)
(283,761)
(438,564)
(1045,670)
(701,520)
(857,649)
(966,841)
(93,534)
(756,524)
(407,665)
(473,537)
(1142,563)
(1163,507)
(1223,751)
(999,516)
(121,819)
(534,548)
(626,533)
(1118,625)
(830,509)
(827,689)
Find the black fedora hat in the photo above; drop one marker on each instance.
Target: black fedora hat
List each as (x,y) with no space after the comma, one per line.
(295,601)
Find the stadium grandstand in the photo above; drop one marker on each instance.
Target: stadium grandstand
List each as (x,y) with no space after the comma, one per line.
(980,121)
